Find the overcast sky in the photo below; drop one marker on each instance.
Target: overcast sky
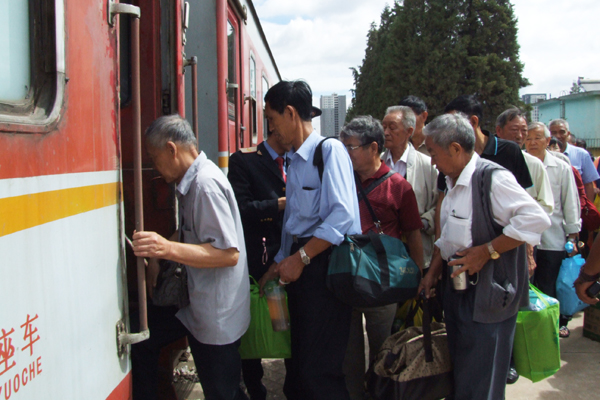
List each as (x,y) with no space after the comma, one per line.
(319,40)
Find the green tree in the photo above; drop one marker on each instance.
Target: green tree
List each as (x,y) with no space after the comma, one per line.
(437,50)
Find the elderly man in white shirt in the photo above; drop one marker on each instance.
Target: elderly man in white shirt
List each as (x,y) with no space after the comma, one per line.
(399,124)
(486,218)
(565,218)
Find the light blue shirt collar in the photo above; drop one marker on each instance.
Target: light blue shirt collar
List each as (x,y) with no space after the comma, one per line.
(272,152)
(306,149)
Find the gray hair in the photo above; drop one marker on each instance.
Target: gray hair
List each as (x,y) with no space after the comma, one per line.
(539,125)
(509,115)
(170,128)
(450,128)
(366,129)
(409,119)
(559,121)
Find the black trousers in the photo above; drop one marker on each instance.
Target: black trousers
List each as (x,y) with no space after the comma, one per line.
(546,273)
(320,327)
(218,366)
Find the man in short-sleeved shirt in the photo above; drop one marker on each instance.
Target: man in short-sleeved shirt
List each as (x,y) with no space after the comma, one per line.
(219,311)
(211,246)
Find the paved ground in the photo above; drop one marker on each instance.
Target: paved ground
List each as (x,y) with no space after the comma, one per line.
(578,378)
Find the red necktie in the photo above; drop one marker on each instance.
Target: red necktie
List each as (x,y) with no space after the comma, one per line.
(279,161)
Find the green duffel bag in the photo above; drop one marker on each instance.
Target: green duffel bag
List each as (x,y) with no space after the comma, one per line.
(260,341)
(372,270)
(536,350)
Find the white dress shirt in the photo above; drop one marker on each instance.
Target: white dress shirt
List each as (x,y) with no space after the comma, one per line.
(565,218)
(512,207)
(398,166)
(541,191)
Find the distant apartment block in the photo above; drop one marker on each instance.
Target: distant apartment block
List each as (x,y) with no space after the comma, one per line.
(334,114)
(532,99)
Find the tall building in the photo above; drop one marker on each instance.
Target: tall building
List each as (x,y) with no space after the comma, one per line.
(532,99)
(334,114)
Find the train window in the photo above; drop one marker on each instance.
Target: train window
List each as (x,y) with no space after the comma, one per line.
(32,69)
(231,64)
(265,88)
(252,77)
(253,110)
(14,51)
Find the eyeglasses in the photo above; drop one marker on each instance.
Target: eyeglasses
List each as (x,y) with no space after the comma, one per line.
(350,148)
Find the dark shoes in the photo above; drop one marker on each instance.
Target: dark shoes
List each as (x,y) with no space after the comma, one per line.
(513,376)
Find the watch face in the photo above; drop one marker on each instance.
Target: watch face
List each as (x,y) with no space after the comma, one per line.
(495,255)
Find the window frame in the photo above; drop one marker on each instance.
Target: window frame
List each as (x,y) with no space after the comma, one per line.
(41,111)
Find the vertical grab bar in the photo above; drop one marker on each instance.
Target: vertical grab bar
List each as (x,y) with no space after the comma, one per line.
(124,338)
(193,62)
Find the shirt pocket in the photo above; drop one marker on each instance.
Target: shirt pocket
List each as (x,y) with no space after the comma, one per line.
(458,231)
(308,202)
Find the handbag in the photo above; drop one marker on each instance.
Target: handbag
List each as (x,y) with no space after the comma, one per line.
(590,217)
(171,285)
(565,291)
(260,341)
(536,350)
(372,270)
(413,363)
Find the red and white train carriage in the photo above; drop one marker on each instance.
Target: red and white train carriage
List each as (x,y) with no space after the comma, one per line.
(71,106)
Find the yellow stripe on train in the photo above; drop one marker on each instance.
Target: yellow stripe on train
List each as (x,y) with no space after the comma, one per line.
(27,211)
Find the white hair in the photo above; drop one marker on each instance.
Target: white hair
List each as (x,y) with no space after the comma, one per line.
(559,121)
(409,119)
(539,125)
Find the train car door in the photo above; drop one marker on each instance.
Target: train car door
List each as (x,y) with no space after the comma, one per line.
(234,109)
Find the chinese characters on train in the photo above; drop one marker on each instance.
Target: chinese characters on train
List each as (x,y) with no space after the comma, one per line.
(14,377)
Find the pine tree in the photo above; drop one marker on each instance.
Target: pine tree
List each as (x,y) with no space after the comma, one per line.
(437,50)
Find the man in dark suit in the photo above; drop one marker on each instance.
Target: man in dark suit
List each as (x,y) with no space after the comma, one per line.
(257,175)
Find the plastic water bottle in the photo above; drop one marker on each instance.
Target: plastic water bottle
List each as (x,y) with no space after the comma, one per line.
(569,247)
(278,310)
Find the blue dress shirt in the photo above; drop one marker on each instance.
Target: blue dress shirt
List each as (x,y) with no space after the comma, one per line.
(328,209)
(581,160)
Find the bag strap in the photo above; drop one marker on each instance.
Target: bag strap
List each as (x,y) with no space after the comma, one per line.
(540,294)
(384,267)
(376,220)
(427,330)
(373,185)
(318,157)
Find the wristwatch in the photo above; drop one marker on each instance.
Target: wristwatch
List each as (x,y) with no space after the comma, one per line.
(494,255)
(305,258)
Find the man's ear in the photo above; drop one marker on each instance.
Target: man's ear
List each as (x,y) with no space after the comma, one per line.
(454,148)
(424,114)
(291,110)
(474,120)
(498,132)
(172,148)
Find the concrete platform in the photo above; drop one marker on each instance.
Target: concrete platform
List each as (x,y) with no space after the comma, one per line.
(578,378)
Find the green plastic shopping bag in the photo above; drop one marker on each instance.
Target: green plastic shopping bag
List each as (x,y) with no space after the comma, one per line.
(536,350)
(260,341)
